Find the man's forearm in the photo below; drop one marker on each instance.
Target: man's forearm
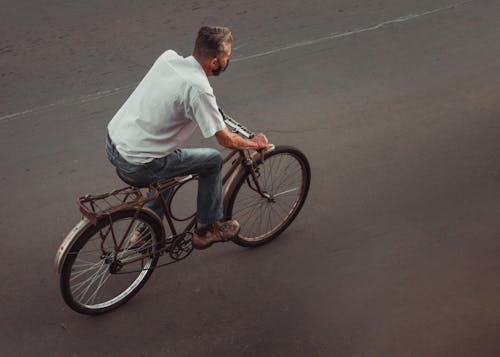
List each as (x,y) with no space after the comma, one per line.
(231,140)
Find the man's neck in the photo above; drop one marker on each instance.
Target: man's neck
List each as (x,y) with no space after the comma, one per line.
(204,64)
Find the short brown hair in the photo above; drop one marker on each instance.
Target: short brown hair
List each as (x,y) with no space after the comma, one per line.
(211,41)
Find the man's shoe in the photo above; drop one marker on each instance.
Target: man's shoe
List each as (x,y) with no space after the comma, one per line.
(207,235)
(140,238)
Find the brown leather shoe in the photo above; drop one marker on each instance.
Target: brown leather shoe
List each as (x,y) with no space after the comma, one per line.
(205,236)
(140,239)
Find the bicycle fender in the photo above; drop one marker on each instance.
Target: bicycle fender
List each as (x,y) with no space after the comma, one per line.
(68,242)
(231,184)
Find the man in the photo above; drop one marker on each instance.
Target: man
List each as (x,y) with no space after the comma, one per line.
(175,96)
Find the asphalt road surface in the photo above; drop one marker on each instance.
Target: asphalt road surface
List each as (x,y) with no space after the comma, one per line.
(396,103)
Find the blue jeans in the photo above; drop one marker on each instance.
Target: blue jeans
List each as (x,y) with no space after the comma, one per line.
(205,162)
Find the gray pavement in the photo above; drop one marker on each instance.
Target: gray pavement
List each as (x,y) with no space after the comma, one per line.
(395,103)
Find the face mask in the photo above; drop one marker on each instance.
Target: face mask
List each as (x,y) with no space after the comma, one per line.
(220,69)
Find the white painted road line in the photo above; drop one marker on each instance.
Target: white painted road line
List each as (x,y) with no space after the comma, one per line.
(106,93)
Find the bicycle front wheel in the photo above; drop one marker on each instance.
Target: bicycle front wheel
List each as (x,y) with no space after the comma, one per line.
(284,177)
(97,275)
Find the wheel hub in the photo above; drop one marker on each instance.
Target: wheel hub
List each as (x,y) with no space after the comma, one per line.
(115,267)
(269,197)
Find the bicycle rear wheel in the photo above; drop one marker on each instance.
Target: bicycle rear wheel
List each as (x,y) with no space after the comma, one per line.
(285,177)
(96,276)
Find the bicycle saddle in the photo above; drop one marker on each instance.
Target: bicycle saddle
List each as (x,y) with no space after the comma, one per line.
(129,182)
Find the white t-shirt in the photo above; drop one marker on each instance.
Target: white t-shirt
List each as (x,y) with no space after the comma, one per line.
(164,110)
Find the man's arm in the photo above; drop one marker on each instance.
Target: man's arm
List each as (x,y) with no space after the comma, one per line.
(231,140)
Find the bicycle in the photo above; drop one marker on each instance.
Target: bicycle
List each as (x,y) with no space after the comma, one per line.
(101,269)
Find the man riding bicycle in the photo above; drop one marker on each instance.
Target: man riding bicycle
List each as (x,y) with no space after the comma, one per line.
(175,96)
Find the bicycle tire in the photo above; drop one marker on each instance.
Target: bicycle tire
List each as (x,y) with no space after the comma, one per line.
(285,169)
(90,282)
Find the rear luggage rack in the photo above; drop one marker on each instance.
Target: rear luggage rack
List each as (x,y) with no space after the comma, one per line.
(95,206)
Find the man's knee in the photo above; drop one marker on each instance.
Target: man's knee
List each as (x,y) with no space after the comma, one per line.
(214,157)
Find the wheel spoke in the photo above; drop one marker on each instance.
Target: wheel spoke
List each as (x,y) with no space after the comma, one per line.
(247,207)
(285,192)
(99,286)
(88,283)
(83,271)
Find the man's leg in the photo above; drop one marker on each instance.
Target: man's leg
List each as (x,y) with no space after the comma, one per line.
(156,205)
(207,164)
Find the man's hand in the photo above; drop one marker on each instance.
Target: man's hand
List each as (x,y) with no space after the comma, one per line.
(261,140)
